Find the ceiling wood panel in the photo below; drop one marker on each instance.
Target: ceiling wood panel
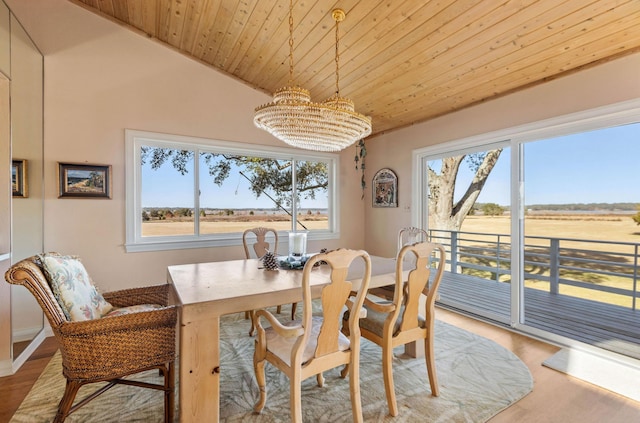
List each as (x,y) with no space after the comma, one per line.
(401,61)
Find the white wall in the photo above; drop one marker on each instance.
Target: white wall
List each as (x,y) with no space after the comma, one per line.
(100,79)
(601,85)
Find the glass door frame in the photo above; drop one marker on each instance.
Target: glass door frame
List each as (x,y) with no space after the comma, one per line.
(612,115)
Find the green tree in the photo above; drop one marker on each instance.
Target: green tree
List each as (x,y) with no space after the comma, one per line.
(264,174)
(492,209)
(95,180)
(636,217)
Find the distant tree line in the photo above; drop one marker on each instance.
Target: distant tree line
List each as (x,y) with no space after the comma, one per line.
(585,207)
(163,214)
(571,207)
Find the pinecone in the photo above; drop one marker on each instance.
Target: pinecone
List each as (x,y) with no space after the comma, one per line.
(270,262)
(322,251)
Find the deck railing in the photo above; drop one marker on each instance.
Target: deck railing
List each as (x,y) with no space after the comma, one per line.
(604,271)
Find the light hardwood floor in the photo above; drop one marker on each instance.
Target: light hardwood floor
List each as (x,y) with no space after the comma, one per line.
(556,397)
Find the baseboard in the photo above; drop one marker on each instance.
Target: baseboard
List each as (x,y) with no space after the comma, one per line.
(25,334)
(621,377)
(6,368)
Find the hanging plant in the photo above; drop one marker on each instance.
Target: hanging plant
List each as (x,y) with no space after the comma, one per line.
(361,153)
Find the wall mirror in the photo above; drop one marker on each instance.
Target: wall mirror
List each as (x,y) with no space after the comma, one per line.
(26,120)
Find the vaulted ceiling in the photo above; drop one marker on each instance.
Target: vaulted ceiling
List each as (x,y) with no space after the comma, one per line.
(401,61)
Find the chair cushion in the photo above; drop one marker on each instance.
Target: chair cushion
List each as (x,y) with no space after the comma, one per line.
(73,288)
(119,311)
(374,322)
(281,347)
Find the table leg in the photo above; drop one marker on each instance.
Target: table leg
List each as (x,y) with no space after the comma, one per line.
(199,368)
(414,349)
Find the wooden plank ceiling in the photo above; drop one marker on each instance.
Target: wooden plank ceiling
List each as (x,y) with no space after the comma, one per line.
(401,61)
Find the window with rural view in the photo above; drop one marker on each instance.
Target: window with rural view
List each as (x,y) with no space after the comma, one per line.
(193,192)
(563,221)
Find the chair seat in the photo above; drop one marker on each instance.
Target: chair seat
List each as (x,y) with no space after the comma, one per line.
(120,311)
(374,322)
(281,347)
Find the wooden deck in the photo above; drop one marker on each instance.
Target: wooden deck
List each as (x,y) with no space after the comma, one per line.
(610,327)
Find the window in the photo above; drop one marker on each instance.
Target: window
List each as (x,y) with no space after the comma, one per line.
(465,187)
(185,192)
(552,236)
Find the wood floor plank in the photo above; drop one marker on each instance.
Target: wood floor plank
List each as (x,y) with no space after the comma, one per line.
(14,388)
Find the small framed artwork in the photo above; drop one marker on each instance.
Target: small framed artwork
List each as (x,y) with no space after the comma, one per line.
(84,180)
(385,188)
(19,181)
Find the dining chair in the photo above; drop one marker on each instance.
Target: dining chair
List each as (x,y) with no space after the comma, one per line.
(411,235)
(307,347)
(260,248)
(394,323)
(102,337)
(406,236)
(260,244)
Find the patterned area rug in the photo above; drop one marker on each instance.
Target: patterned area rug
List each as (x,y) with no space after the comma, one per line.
(478,378)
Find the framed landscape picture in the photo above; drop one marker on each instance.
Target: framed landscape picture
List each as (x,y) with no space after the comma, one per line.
(84,180)
(19,185)
(385,189)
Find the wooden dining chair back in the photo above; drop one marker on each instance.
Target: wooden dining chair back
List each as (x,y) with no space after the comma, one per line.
(307,347)
(393,323)
(136,335)
(261,246)
(406,236)
(411,235)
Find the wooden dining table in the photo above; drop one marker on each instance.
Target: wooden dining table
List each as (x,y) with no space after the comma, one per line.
(206,291)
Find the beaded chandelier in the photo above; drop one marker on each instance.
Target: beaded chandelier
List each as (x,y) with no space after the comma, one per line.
(293,118)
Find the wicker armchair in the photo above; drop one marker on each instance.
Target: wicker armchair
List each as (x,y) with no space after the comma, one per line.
(109,348)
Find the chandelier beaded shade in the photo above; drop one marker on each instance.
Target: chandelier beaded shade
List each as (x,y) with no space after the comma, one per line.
(292,117)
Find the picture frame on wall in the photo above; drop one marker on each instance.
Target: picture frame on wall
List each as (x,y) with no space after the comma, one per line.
(79,180)
(19,180)
(385,188)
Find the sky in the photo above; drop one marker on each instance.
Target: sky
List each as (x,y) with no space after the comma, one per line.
(596,167)
(234,193)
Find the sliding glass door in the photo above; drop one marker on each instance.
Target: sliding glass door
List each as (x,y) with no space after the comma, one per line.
(468,196)
(542,230)
(581,237)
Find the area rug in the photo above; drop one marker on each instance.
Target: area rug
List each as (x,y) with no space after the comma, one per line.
(616,376)
(477,377)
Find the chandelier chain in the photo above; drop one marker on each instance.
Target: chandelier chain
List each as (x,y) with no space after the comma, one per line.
(337,59)
(291,43)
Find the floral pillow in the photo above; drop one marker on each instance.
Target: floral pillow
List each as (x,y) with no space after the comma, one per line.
(73,288)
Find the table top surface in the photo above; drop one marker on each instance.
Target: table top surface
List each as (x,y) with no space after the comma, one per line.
(199,283)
